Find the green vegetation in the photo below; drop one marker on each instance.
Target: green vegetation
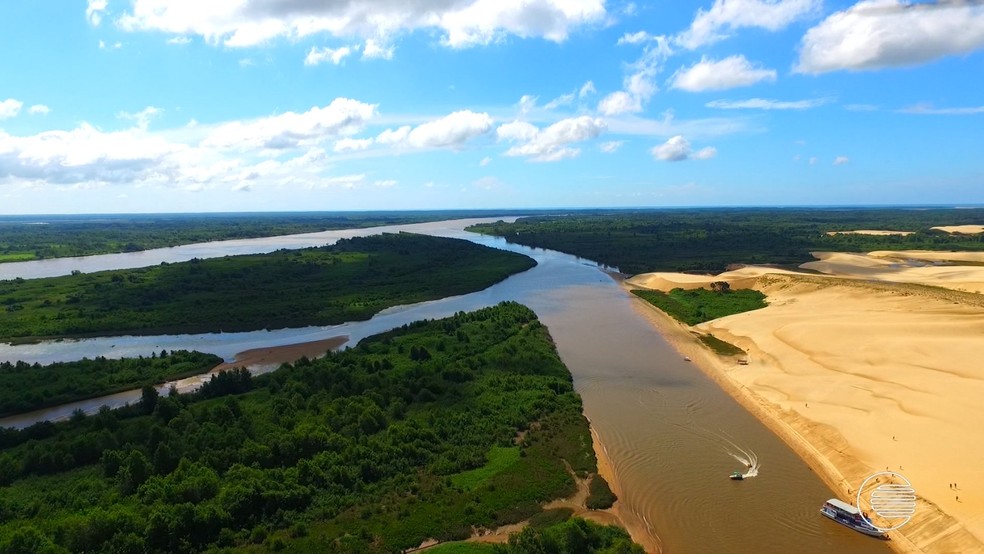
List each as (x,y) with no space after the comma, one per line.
(600,495)
(699,305)
(574,535)
(712,239)
(21,238)
(353,452)
(462,548)
(720,347)
(351,280)
(547,518)
(499,459)
(25,387)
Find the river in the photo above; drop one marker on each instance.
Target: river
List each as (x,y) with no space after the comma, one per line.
(671,433)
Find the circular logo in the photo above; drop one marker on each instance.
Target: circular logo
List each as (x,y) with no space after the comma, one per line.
(890,497)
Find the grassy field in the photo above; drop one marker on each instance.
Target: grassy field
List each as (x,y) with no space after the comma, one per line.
(720,347)
(352,280)
(700,305)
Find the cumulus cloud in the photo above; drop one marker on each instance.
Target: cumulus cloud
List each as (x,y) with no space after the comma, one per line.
(94,11)
(873,34)
(179,40)
(352,145)
(391,137)
(451,131)
(318,56)
(764,104)
(677,149)
(462,23)
(343,116)
(141,118)
(611,146)
(10,108)
(731,72)
(552,143)
(39,109)
(640,84)
(726,16)
(587,89)
(841,160)
(375,49)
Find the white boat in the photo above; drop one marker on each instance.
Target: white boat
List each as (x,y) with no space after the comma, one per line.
(849,516)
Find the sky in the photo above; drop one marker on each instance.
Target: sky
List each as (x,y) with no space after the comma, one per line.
(132,106)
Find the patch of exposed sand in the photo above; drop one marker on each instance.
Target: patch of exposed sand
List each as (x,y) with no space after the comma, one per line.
(858,377)
(876,232)
(906,266)
(961,229)
(276,355)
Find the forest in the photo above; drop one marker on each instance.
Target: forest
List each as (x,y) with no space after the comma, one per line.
(350,280)
(427,431)
(699,305)
(25,387)
(25,238)
(712,239)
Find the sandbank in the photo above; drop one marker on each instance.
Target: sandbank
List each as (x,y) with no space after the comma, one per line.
(276,355)
(875,232)
(961,229)
(858,377)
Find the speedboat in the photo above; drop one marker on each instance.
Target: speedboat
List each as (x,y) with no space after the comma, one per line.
(736,476)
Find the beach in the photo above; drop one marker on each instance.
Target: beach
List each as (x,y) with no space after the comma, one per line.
(869,365)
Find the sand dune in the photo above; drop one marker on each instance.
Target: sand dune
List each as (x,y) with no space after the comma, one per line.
(906,267)
(962,229)
(861,376)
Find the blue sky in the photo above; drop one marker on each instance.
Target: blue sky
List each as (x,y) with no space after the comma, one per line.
(255,105)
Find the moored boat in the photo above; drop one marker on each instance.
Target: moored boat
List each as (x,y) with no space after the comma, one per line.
(849,516)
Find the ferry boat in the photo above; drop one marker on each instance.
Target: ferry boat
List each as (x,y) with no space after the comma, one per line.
(849,516)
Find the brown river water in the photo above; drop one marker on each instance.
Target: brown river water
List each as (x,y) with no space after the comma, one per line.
(673,436)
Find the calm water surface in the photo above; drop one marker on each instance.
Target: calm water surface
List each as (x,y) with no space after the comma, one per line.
(672,434)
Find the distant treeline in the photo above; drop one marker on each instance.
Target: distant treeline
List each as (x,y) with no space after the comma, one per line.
(25,387)
(359,451)
(351,280)
(37,237)
(711,239)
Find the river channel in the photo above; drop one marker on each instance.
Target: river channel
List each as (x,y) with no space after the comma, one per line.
(673,436)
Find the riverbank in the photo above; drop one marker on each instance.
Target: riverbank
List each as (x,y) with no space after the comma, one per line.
(286,354)
(857,377)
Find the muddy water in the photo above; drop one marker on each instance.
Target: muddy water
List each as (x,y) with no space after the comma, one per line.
(673,436)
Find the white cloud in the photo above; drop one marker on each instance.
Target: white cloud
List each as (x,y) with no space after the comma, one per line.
(611,146)
(764,104)
(677,149)
(526,104)
(705,153)
(550,144)
(841,160)
(392,137)
(874,34)
(517,131)
(451,131)
(731,72)
(352,145)
(462,23)
(10,108)
(562,100)
(926,109)
(634,38)
(485,161)
(345,181)
(639,86)
(39,109)
(143,117)
(386,183)
(94,11)
(726,16)
(318,56)
(180,39)
(342,117)
(587,89)
(375,49)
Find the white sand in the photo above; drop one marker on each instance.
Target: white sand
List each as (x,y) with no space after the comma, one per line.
(962,229)
(859,376)
(906,266)
(876,232)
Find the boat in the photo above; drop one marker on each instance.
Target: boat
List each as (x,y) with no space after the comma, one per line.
(736,476)
(849,516)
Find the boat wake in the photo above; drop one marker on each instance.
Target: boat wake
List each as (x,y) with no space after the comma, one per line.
(746,456)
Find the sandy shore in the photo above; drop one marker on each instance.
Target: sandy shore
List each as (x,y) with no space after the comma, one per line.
(276,355)
(859,376)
